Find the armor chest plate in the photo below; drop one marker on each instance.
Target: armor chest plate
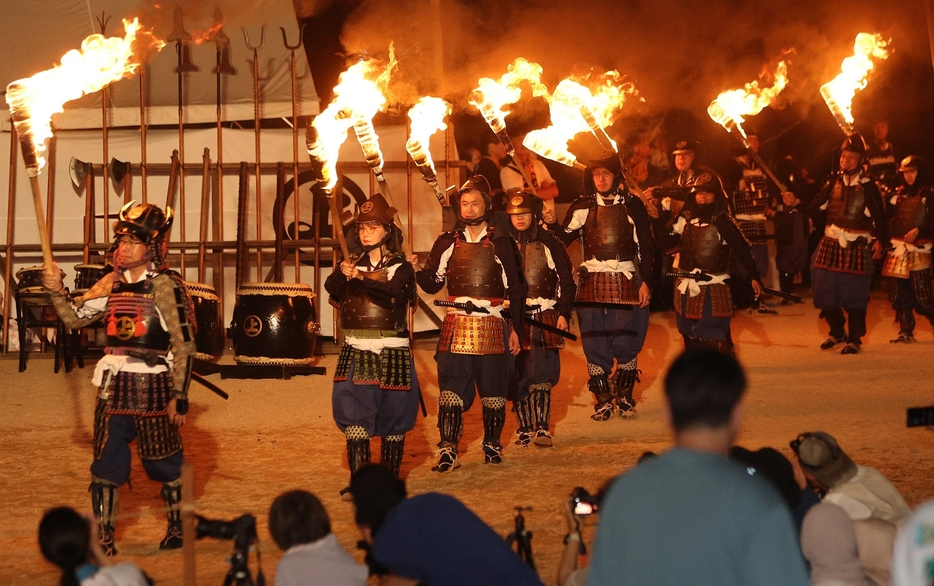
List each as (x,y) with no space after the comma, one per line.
(360,312)
(909,214)
(542,280)
(702,249)
(473,271)
(132,320)
(608,234)
(847,205)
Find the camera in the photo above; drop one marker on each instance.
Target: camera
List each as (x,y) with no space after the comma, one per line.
(241,530)
(920,416)
(583,503)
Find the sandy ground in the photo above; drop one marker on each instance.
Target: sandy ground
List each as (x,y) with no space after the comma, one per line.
(273,436)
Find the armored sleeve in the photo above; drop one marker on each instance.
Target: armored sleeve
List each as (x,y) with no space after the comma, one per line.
(428,278)
(643,224)
(926,231)
(877,211)
(565,232)
(69,311)
(738,243)
(170,299)
(559,254)
(335,284)
(507,251)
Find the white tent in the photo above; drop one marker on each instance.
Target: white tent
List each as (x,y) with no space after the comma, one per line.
(36,33)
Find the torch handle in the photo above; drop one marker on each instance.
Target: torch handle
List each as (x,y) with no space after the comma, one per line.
(40,219)
(337,224)
(525,175)
(765,168)
(384,189)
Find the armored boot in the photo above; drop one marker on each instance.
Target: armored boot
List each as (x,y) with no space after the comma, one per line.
(358,453)
(105,500)
(836,321)
(541,401)
(523,409)
(172,495)
(494,417)
(906,326)
(623,382)
(857,319)
(451,426)
(390,453)
(600,387)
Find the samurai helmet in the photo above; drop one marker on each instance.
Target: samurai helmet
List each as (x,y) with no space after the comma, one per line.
(519,201)
(854,143)
(147,222)
(910,162)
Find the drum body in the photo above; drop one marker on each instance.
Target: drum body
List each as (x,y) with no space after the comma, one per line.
(210,335)
(85,277)
(29,280)
(274,323)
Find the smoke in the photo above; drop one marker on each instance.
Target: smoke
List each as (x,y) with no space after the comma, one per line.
(678,54)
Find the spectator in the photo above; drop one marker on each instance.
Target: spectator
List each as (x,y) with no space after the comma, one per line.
(913,560)
(863,492)
(432,538)
(829,544)
(872,502)
(65,540)
(493,159)
(301,528)
(690,516)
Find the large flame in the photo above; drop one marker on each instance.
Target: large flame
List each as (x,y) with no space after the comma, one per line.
(854,75)
(100,62)
(427,116)
(357,98)
(575,108)
(732,106)
(493,97)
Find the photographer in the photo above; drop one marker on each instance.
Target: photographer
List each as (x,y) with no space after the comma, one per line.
(301,528)
(574,511)
(65,540)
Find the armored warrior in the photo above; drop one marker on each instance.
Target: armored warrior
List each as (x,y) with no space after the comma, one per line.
(613,291)
(547,270)
(144,374)
(707,239)
(909,262)
(480,264)
(376,390)
(841,267)
(670,196)
(752,205)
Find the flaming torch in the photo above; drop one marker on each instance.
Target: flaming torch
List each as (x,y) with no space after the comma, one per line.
(731,107)
(427,116)
(576,109)
(492,97)
(32,101)
(354,96)
(854,75)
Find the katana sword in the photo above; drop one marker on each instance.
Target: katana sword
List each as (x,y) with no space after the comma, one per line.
(704,277)
(467,307)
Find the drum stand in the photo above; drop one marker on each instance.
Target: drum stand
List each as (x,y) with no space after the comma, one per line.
(255,371)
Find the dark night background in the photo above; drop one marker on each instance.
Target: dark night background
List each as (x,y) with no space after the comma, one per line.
(679,55)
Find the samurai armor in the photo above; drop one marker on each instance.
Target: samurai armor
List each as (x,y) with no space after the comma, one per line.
(853,259)
(463,334)
(721,302)
(606,287)
(701,248)
(846,207)
(473,271)
(389,369)
(608,234)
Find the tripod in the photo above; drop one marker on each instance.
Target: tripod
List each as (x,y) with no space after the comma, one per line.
(522,539)
(239,572)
